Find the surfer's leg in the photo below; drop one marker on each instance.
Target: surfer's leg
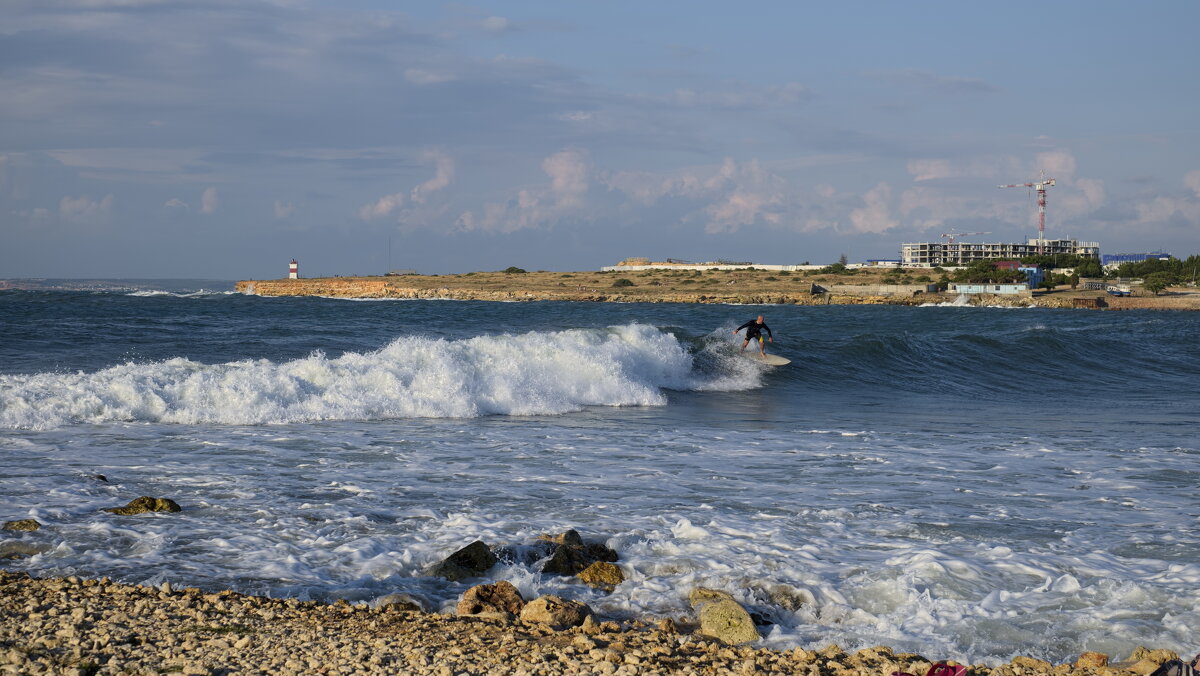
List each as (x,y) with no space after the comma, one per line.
(744,344)
(762,346)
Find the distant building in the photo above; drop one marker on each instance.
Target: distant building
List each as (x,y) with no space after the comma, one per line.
(932,254)
(1035,275)
(1002,289)
(1113,260)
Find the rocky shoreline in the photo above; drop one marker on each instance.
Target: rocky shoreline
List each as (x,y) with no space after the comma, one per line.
(84,626)
(725,287)
(68,625)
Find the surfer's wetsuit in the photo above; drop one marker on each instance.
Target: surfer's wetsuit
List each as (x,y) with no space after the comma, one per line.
(754,330)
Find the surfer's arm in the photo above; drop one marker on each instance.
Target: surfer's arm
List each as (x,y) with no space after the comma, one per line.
(743,326)
(769,334)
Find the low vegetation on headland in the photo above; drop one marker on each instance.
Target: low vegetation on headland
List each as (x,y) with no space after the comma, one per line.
(835,284)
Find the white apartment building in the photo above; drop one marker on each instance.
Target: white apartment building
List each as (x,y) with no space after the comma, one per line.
(931,254)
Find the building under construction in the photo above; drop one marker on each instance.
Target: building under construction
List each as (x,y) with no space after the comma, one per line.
(931,254)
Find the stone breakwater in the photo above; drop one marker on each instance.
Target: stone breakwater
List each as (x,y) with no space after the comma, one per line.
(79,626)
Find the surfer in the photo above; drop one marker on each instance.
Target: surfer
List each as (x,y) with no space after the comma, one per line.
(754,329)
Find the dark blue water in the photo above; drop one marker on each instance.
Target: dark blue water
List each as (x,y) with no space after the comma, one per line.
(949,480)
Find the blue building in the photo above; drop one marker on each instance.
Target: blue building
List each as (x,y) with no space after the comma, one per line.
(1035,274)
(1113,260)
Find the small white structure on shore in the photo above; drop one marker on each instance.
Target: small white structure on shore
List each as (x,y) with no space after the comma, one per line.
(293,270)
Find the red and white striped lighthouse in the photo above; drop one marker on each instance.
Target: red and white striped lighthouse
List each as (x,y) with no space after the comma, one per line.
(293,270)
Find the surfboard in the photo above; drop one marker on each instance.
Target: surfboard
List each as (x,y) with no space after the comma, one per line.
(770,360)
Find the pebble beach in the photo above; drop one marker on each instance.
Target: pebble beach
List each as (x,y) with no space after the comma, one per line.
(87,626)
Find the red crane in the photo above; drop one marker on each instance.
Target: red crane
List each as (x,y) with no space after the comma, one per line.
(1041,192)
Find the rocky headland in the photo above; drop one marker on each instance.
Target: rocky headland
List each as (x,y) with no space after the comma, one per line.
(744,287)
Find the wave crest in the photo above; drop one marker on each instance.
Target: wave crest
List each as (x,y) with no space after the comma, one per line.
(538,373)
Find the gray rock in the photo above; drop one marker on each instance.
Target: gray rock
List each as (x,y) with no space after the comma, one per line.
(28,525)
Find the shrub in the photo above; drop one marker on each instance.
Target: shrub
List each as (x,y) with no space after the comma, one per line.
(623,282)
(771,279)
(512,270)
(1157,281)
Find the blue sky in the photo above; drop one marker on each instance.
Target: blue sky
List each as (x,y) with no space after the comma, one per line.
(221,138)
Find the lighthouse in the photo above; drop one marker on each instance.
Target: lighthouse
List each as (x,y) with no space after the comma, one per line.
(293,270)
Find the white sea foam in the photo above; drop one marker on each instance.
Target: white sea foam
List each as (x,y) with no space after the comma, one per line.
(151,293)
(533,374)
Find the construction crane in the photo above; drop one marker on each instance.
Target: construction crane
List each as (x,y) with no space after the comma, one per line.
(950,236)
(1040,186)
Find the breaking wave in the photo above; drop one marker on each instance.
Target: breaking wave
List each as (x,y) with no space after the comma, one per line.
(538,373)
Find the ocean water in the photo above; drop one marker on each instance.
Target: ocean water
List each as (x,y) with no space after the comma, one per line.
(968,483)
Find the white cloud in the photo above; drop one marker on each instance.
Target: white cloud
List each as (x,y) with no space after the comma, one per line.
(991,167)
(84,209)
(743,207)
(568,172)
(498,24)
(176,203)
(284,209)
(931,206)
(1077,198)
(442,178)
(737,194)
(384,206)
(929,170)
(875,214)
(927,207)
(1164,209)
(534,208)
(1058,164)
(1192,181)
(209,201)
